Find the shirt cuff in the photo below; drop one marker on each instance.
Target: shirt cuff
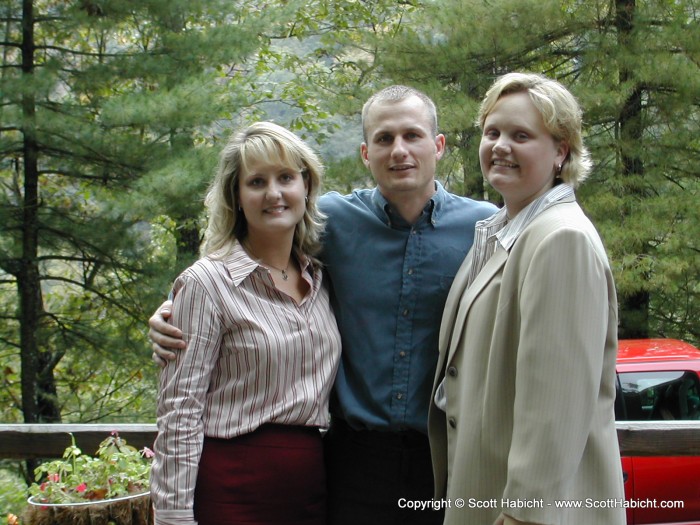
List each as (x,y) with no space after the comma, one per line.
(174,517)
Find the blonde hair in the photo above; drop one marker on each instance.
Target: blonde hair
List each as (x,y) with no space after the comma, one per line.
(560,112)
(273,144)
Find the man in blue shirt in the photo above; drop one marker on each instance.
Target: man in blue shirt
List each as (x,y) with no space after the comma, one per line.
(391,254)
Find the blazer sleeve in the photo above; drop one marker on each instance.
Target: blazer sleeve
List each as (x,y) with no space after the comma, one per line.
(564,307)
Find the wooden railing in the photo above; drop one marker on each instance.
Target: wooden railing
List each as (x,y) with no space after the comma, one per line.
(31,441)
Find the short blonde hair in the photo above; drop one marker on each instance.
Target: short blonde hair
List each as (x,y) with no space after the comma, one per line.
(560,111)
(274,144)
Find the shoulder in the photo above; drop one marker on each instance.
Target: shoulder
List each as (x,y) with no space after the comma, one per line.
(567,216)
(564,221)
(480,207)
(464,208)
(206,271)
(336,201)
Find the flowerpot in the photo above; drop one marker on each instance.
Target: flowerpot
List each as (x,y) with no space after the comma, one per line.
(128,510)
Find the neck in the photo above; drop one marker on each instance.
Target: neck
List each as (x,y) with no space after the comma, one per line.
(275,252)
(409,206)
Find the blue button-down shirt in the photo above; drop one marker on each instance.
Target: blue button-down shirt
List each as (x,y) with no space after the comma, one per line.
(390,281)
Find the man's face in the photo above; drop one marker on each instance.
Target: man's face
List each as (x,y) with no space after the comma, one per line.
(401,151)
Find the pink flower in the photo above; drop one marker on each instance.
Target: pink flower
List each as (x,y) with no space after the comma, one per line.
(82,487)
(147,452)
(54,477)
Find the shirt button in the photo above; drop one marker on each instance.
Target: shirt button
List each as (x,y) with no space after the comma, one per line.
(405,312)
(452,371)
(399,396)
(402,354)
(410,271)
(452,422)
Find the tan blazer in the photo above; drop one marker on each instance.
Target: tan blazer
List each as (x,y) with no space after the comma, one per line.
(528,353)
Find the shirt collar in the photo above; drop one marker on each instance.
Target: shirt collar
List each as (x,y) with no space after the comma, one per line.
(240,265)
(512,229)
(433,208)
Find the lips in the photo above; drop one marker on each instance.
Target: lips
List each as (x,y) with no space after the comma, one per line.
(275,210)
(401,167)
(503,163)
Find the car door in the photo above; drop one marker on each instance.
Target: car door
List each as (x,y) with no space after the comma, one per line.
(660,489)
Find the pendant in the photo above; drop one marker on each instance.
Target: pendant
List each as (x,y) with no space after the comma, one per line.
(284,275)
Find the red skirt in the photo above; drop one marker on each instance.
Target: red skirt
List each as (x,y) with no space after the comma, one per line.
(272,476)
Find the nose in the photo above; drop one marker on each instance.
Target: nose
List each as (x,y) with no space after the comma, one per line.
(501,146)
(399,150)
(273,191)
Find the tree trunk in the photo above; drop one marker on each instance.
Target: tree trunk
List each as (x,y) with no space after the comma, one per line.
(39,403)
(634,308)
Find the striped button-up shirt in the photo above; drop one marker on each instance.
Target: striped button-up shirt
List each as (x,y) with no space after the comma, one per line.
(254,356)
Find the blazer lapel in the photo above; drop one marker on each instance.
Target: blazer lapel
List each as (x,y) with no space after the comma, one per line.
(464,298)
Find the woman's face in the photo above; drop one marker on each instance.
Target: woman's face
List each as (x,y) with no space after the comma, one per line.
(518,156)
(272,197)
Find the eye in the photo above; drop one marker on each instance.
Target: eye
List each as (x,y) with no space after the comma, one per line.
(491,134)
(384,139)
(255,182)
(521,136)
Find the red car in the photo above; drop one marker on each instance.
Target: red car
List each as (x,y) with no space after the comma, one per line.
(659,379)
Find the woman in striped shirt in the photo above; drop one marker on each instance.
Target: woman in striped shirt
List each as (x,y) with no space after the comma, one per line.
(239,413)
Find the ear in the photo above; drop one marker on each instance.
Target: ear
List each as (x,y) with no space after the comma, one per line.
(439,146)
(363,154)
(562,152)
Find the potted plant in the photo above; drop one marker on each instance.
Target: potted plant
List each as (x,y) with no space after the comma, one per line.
(110,488)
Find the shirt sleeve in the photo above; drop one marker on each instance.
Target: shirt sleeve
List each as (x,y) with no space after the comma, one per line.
(564,308)
(183,389)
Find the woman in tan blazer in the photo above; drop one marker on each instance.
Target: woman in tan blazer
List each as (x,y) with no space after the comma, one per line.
(522,429)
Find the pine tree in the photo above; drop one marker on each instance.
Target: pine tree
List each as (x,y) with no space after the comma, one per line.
(633,64)
(102,105)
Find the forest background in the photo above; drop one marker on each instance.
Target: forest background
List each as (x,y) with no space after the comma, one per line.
(112,114)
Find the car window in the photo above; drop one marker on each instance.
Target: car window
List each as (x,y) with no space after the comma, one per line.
(658,396)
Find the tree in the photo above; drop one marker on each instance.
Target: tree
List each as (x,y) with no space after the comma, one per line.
(634,67)
(97,99)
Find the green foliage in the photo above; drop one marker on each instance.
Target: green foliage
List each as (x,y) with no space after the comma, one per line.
(117,470)
(634,67)
(13,491)
(113,94)
(347,174)
(128,103)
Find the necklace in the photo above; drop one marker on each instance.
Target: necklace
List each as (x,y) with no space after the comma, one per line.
(285,276)
(280,270)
